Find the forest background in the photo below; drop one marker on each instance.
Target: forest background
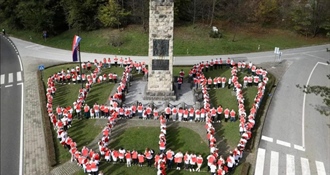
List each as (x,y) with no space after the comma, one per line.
(306,17)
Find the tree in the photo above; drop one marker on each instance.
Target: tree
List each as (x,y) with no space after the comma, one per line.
(309,16)
(182,10)
(41,15)
(7,13)
(322,91)
(81,14)
(212,13)
(268,11)
(111,14)
(236,13)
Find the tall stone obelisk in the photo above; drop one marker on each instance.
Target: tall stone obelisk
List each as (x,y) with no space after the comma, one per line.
(160,67)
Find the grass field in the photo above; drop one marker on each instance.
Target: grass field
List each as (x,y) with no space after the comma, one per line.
(84,131)
(188,40)
(139,138)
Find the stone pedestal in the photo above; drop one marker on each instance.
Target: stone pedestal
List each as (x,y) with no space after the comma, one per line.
(160,66)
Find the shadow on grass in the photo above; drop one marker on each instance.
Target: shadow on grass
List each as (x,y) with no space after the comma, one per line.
(172,141)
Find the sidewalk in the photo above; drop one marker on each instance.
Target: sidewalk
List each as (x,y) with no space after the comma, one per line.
(35,153)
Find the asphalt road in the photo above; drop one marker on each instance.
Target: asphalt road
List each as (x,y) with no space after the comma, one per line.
(11,102)
(295,138)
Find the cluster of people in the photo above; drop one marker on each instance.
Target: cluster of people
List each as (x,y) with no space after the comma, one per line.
(89,159)
(62,117)
(216,164)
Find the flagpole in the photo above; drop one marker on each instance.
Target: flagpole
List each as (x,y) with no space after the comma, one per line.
(82,83)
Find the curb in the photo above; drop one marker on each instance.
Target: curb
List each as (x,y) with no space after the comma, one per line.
(261,127)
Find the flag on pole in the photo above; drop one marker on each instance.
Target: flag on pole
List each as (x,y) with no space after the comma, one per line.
(75,44)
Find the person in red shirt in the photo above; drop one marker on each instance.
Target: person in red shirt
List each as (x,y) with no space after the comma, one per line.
(199,163)
(232,115)
(128,157)
(86,111)
(226,112)
(141,159)
(169,158)
(178,160)
(219,113)
(179,81)
(135,157)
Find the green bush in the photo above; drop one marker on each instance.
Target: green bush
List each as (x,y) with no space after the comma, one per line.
(215,34)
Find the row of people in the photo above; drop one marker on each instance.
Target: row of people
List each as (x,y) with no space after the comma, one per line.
(245,124)
(64,118)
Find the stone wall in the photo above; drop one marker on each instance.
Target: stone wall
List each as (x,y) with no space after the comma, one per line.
(160,81)
(161,23)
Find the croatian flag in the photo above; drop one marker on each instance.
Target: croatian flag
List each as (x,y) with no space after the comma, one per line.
(75,48)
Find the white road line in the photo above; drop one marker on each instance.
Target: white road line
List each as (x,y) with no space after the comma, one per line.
(19,76)
(290,167)
(274,157)
(20,61)
(2,79)
(304,104)
(33,45)
(21,134)
(268,139)
(298,147)
(320,168)
(260,162)
(10,77)
(305,170)
(9,85)
(315,56)
(283,143)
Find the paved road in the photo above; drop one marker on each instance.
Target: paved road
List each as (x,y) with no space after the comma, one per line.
(294,147)
(11,109)
(295,137)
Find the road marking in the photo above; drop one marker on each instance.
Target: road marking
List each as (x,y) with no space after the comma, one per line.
(21,133)
(298,147)
(19,76)
(10,77)
(268,139)
(9,85)
(20,61)
(260,162)
(2,79)
(38,48)
(320,168)
(283,143)
(305,166)
(304,104)
(315,56)
(274,157)
(33,45)
(290,167)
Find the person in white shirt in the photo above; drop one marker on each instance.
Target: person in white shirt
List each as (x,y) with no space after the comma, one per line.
(122,152)
(213,169)
(179,155)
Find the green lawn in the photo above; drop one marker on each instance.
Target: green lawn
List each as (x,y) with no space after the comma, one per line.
(139,138)
(227,98)
(83,132)
(184,139)
(188,40)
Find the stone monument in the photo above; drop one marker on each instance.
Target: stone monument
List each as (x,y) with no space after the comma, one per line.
(160,67)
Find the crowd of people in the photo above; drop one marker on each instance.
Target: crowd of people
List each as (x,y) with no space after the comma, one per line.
(216,164)
(89,159)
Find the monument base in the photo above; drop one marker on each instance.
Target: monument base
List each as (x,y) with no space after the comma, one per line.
(159,95)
